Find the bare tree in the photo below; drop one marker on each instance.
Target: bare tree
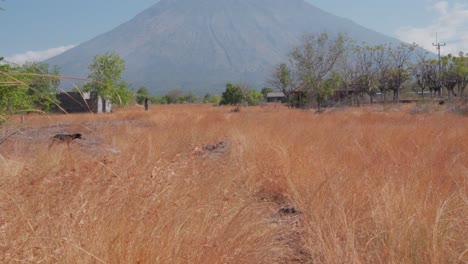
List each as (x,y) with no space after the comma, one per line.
(366,69)
(400,63)
(449,76)
(347,68)
(244,89)
(382,63)
(425,73)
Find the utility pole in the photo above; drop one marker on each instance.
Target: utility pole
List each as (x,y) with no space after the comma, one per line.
(439,45)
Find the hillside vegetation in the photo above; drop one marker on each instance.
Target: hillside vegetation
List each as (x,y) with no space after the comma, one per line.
(199,184)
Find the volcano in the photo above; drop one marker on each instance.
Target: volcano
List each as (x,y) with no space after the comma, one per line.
(199,45)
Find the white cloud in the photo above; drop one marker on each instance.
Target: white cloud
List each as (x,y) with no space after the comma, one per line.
(451,25)
(37,56)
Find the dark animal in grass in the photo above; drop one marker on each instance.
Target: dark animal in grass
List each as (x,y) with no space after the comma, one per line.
(64,138)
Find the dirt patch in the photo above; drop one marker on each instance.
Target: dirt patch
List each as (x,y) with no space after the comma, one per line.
(215,149)
(289,217)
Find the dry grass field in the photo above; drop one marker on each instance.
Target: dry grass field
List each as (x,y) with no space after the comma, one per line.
(201,184)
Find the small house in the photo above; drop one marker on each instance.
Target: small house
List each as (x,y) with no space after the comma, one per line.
(276,97)
(77,102)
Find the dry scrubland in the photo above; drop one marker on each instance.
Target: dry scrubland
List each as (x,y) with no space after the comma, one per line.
(367,186)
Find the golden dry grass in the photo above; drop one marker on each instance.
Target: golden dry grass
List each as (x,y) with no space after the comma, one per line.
(370,186)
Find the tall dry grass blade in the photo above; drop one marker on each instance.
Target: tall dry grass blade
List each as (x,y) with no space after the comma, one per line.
(20,209)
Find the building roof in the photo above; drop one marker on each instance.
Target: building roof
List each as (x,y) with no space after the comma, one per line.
(276,94)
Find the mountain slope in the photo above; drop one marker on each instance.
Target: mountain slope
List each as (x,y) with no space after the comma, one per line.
(200,45)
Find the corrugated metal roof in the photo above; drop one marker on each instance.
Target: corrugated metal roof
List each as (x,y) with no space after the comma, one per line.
(275,95)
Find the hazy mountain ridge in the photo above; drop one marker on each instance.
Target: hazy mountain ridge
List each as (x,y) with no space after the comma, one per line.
(200,45)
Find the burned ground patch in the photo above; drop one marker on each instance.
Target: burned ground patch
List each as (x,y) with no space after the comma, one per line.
(214,149)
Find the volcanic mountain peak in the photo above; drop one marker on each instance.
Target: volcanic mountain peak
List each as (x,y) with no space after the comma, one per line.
(200,45)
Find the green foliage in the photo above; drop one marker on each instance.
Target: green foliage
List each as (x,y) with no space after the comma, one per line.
(254,97)
(328,86)
(314,59)
(282,80)
(141,95)
(155,100)
(27,88)
(212,99)
(178,96)
(187,98)
(265,91)
(122,95)
(172,96)
(425,72)
(13,93)
(42,86)
(232,95)
(455,72)
(105,73)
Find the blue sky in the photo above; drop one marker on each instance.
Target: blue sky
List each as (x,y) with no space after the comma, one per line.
(37,29)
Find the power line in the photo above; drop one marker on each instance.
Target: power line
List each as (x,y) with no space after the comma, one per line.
(439,45)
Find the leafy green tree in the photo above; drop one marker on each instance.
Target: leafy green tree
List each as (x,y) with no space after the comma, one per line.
(173,95)
(211,99)
(141,95)
(206,97)
(215,99)
(163,100)
(187,98)
(155,100)
(193,98)
(43,83)
(265,91)
(461,66)
(122,95)
(27,88)
(328,86)
(106,75)
(233,95)
(282,80)
(314,60)
(14,93)
(254,97)
(454,73)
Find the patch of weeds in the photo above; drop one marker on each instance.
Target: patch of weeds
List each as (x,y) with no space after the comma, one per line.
(236,109)
(459,109)
(424,107)
(390,107)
